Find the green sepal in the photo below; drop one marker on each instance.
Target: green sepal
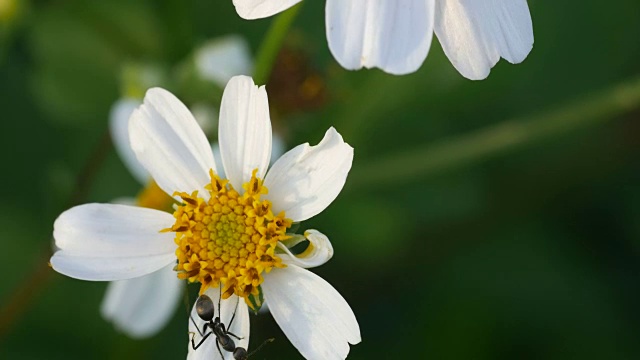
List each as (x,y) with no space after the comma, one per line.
(294,228)
(256,301)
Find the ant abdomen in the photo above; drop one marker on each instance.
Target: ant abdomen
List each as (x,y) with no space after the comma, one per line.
(227,343)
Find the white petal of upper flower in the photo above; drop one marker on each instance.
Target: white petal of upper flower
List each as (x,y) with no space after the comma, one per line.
(306,179)
(119,129)
(169,143)
(319,251)
(240,327)
(257,9)
(244,134)
(142,306)
(314,316)
(476,33)
(111,242)
(394,35)
(221,59)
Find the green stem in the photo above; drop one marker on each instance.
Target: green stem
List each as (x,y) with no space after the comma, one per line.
(271,44)
(462,150)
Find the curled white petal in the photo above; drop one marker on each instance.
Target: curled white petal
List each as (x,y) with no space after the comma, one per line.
(169,143)
(239,327)
(314,316)
(244,134)
(476,33)
(142,306)
(257,9)
(393,35)
(220,59)
(305,180)
(119,129)
(319,251)
(111,242)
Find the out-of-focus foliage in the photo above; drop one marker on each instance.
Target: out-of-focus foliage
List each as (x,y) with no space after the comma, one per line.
(528,255)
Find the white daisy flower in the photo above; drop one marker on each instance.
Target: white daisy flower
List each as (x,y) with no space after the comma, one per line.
(395,35)
(229,232)
(220,59)
(142,306)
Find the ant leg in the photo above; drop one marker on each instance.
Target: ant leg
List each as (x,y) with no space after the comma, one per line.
(234,335)
(196,325)
(220,351)
(193,344)
(226,332)
(204,328)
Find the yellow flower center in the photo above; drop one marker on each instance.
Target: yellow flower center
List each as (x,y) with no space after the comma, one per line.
(154,198)
(230,239)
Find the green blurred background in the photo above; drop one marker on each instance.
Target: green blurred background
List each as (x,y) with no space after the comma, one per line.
(456,236)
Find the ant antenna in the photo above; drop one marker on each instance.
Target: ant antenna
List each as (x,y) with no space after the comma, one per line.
(220,299)
(234,311)
(260,347)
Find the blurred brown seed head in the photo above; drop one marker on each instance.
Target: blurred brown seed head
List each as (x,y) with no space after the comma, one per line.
(295,84)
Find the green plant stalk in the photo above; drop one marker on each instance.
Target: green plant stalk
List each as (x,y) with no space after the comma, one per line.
(455,152)
(271,44)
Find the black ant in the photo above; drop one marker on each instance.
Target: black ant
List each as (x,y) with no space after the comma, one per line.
(206,312)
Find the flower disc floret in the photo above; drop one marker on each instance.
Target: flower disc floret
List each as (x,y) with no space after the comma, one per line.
(230,239)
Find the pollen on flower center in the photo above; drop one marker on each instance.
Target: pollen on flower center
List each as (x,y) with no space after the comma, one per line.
(230,239)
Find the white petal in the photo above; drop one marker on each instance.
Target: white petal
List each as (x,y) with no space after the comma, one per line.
(239,327)
(169,143)
(305,180)
(319,251)
(119,129)
(476,33)
(112,242)
(257,9)
(314,316)
(125,201)
(278,147)
(245,130)
(142,306)
(220,59)
(215,147)
(393,35)
(101,268)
